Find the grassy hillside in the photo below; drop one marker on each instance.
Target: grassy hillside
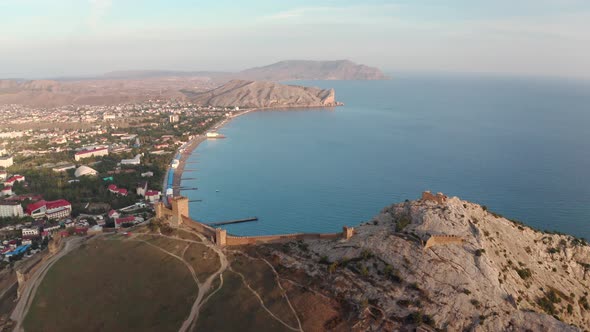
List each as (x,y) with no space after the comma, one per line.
(113,285)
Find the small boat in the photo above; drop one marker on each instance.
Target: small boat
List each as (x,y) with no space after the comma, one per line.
(217,190)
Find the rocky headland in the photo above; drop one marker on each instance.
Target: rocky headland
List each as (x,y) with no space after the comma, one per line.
(444,264)
(264,94)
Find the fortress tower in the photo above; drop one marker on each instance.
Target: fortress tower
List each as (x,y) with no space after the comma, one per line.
(179,209)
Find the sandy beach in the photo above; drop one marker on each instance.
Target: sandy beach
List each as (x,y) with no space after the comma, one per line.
(192,145)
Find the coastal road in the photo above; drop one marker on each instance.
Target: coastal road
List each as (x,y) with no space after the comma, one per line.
(28,293)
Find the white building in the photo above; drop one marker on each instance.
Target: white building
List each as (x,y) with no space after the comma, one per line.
(6,191)
(63,168)
(30,231)
(51,228)
(91,153)
(84,171)
(174,118)
(11,209)
(6,161)
(11,134)
(152,196)
(135,161)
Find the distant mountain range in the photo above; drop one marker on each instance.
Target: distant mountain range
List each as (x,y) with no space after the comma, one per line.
(280,71)
(313,70)
(137,86)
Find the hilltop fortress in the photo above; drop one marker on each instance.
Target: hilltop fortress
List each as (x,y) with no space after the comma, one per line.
(178,215)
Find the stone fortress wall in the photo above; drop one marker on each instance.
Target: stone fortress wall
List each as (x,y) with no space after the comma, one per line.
(178,215)
(442,239)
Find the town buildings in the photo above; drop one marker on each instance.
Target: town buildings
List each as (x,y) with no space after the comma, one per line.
(97,152)
(50,209)
(135,161)
(6,161)
(10,209)
(84,171)
(30,231)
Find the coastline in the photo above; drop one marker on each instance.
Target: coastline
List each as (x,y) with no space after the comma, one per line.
(194,143)
(187,149)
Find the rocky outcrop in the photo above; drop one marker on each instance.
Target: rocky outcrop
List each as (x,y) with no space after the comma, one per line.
(483,272)
(257,94)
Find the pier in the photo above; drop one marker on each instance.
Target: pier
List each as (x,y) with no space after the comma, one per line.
(195,200)
(237,221)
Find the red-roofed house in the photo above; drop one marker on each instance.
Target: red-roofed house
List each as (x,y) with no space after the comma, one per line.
(51,209)
(81,231)
(112,188)
(58,209)
(37,209)
(91,153)
(15,178)
(124,220)
(152,196)
(119,191)
(6,191)
(113,214)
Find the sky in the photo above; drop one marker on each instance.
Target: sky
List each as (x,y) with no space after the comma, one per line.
(55,38)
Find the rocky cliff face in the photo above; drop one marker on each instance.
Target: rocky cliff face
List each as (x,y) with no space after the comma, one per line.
(264,94)
(500,275)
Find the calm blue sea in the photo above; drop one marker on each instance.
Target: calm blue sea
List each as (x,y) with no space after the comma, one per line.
(519,146)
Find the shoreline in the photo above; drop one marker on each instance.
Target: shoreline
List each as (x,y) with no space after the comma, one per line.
(189,147)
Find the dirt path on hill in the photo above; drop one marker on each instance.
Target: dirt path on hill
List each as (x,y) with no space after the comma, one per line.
(203,287)
(28,294)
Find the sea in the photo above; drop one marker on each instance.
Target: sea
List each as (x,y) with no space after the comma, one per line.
(520,146)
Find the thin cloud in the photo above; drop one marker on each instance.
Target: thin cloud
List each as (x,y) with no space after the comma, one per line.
(357,12)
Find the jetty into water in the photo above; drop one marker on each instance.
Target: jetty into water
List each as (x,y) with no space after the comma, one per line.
(237,221)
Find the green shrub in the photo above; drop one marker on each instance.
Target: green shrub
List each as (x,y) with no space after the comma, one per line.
(415,318)
(524,273)
(584,302)
(401,223)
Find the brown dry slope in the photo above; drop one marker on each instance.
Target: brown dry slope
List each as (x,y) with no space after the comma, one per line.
(264,94)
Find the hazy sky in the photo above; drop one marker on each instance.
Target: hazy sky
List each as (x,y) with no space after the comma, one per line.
(46,38)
